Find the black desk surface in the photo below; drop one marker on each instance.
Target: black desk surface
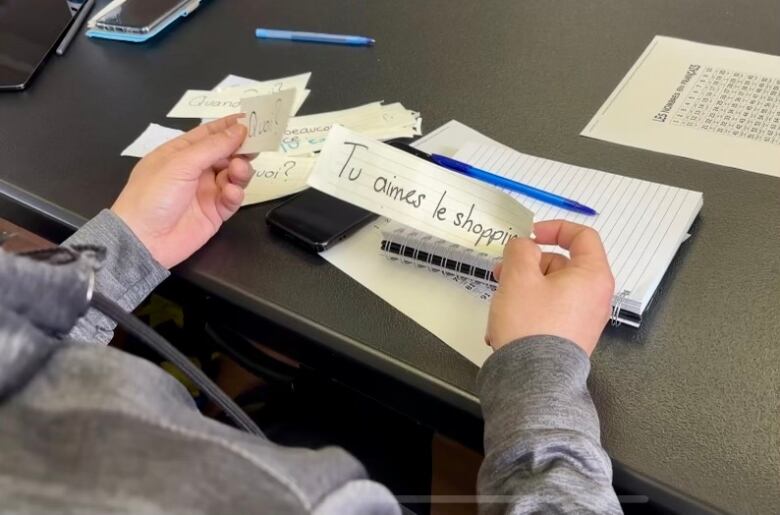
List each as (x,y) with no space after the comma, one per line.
(690,401)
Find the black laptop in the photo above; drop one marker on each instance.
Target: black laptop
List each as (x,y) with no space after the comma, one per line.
(29,30)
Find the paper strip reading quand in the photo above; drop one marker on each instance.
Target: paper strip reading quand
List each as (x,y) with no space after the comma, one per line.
(197,103)
(265,119)
(277,175)
(414,192)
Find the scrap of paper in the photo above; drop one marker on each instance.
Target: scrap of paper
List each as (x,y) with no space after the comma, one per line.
(92,23)
(294,81)
(152,137)
(298,82)
(248,87)
(715,104)
(265,118)
(307,134)
(277,175)
(417,193)
(226,101)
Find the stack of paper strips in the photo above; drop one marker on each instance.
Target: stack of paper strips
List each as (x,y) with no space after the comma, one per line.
(284,172)
(306,134)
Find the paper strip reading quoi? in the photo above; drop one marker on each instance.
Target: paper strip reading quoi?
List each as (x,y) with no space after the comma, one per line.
(277,175)
(265,118)
(417,193)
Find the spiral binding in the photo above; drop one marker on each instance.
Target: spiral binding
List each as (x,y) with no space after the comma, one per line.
(617,305)
(390,236)
(460,262)
(410,246)
(426,241)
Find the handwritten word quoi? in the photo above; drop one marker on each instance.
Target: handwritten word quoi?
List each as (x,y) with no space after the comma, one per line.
(283,172)
(258,127)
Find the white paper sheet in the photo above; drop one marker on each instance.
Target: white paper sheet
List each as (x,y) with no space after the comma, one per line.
(403,286)
(641,223)
(417,193)
(715,104)
(152,137)
(441,306)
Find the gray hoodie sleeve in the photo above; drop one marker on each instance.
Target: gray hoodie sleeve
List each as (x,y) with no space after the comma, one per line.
(127,276)
(542,442)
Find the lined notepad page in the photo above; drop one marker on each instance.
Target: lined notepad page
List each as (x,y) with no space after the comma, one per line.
(641,223)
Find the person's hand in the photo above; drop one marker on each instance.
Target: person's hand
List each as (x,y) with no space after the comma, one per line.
(541,293)
(179,194)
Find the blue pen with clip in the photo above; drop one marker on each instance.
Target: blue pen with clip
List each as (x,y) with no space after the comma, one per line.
(496,180)
(314,37)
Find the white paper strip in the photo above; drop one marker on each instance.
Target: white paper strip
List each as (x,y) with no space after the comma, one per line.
(417,193)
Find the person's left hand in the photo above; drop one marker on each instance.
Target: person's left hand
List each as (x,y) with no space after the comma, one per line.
(179,194)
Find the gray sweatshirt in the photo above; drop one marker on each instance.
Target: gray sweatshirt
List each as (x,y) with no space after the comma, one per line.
(86,428)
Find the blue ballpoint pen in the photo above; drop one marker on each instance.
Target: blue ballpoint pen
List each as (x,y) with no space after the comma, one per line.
(502,182)
(314,37)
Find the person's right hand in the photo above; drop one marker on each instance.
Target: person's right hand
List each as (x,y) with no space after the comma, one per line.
(548,294)
(181,193)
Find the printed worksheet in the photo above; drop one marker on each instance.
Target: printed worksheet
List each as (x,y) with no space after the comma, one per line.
(715,104)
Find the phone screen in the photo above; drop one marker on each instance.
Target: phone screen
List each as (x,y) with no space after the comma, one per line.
(317,220)
(139,15)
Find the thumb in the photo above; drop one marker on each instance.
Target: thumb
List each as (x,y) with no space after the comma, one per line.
(213,148)
(521,260)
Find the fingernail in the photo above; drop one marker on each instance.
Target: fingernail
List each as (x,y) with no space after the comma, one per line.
(231,132)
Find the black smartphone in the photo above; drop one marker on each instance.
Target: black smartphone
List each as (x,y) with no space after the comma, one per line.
(140,16)
(316,220)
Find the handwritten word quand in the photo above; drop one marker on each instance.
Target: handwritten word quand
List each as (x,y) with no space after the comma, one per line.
(205,101)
